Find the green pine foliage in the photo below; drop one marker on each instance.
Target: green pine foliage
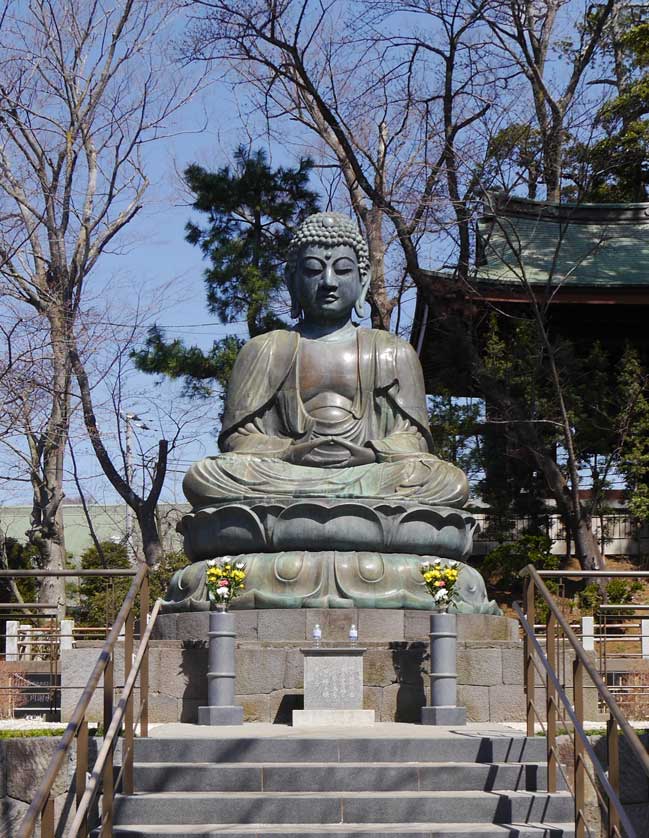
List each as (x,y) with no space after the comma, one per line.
(617,166)
(453,426)
(249,213)
(515,367)
(633,427)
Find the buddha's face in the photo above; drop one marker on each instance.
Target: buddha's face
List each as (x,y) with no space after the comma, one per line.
(327,282)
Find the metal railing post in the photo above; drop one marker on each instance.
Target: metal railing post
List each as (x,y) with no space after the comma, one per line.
(144,671)
(578,746)
(47,818)
(530,613)
(108,789)
(127,754)
(613,743)
(551,702)
(81,771)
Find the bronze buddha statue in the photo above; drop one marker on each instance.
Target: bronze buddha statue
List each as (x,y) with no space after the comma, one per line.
(327,486)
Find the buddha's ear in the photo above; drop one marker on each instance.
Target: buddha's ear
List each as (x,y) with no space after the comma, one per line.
(359,305)
(289,278)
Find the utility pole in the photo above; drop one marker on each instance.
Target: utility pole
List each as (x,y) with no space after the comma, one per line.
(130,419)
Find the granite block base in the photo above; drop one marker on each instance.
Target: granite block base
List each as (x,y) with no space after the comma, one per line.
(332,718)
(232,715)
(443,716)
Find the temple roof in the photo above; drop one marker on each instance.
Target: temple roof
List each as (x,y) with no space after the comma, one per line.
(586,245)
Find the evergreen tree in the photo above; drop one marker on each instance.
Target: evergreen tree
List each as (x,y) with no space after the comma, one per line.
(633,427)
(250,211)
(616,169)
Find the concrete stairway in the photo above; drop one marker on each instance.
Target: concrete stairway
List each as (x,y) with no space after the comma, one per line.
(444,785)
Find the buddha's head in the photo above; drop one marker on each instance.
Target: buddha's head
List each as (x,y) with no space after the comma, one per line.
(328,269)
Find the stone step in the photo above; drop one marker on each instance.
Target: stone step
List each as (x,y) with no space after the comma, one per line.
(349,830)
(343,807)
(463,748)
(359,776)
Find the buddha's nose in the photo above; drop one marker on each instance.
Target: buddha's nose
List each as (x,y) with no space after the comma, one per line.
(330,278)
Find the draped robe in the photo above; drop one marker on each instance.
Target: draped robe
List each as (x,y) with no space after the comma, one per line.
(265,415)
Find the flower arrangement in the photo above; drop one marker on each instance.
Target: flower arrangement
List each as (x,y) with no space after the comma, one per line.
(224,580)
(440,579)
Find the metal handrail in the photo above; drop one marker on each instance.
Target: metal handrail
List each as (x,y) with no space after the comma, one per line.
(113,731)
(587,574)
(42,802)
(582,663)
(40,574)
(599,770)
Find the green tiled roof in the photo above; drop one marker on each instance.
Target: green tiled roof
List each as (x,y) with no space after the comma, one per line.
(590,245)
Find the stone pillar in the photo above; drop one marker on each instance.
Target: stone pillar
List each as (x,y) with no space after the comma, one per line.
(443,709)
(645,639)
(221,709)
(67,635)
(11,647)
(588,633)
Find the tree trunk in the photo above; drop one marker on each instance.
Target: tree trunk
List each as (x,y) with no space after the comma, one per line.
(151,543)
(144,508)
(379,300)
(552,161)
(46,532)
(575,518)
(52,557)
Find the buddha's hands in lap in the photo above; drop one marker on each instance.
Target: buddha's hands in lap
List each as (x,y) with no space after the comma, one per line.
(329,452)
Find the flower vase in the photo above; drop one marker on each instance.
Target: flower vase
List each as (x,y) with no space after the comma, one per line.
(221,708)
(443,709)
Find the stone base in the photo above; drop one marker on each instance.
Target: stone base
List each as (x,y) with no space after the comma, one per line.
(296,625)
(330,579)
(443,716)
(332,718)
(278,524)
(232,715)
(328,552)
(270,666)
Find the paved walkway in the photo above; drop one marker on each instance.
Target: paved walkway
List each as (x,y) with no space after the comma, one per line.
(380,730)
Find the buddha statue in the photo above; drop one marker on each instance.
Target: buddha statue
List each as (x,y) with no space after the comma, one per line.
(327,486)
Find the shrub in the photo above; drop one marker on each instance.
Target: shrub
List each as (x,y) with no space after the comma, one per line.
(100,599)
(589,599)
(617,592)
(502,566)
(161,575)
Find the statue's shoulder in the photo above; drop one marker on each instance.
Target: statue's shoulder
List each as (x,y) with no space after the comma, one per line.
(389,341)
(277,340)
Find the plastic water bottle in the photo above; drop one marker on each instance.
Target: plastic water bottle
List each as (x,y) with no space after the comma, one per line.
(353,634)
(316,635)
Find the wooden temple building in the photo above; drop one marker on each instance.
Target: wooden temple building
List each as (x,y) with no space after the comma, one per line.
(588,263)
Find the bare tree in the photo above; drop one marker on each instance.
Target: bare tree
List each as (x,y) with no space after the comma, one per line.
(84,87)
(104,396)
(362,93)
(529,32)
(409,117)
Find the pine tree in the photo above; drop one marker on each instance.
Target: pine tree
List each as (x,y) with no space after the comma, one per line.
(250,211)
(633,426)
(616,169)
